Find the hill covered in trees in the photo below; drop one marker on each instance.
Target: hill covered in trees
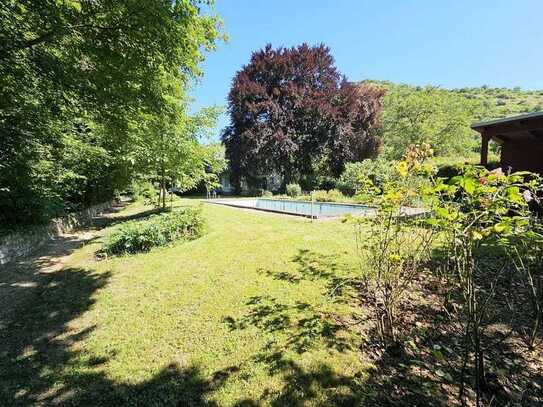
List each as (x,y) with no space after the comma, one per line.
(501,102)
(442,117)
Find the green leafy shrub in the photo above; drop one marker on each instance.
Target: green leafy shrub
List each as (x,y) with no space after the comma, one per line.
(364,198)
(327,183)
(143,191)
(393,248)
(267,194)
(159,230)
(320,181)
(479,213)
(320,195)
(333,195)
(480,240)
(293,190)
(355,176)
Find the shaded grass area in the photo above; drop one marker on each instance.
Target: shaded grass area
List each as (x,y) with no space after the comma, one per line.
(206,322)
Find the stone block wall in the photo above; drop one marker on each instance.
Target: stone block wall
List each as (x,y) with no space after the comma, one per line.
(24,243)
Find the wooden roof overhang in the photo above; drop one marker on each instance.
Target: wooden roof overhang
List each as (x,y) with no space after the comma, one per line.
(526,128)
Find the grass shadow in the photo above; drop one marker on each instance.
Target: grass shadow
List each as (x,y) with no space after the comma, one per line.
(340,286)
(295,328)
(425,371)
(41,362)
(36,337)
(42,357)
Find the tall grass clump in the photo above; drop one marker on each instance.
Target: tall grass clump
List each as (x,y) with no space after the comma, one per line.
(159,230)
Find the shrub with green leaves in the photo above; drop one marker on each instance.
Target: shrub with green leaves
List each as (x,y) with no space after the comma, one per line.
(333,195)
(294,190)
(320,195)
(393,247)
(482,240)
(354,178)
(159,230)
(479,213)
(326,182)
(143,191)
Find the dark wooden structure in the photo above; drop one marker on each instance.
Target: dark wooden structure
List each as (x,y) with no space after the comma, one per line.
(520,138)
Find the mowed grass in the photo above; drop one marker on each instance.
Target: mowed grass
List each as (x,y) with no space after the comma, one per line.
(258,311)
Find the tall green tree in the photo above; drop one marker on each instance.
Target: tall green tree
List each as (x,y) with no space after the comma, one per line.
(74,77)
(167,147)
(417,115)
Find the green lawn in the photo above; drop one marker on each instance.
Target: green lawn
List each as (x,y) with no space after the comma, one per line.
(253,313)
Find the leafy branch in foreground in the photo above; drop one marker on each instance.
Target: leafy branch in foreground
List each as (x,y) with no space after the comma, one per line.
(478,232)
(392,246)
(479,213)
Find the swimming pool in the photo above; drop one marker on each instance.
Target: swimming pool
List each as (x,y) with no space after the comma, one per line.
(300,208)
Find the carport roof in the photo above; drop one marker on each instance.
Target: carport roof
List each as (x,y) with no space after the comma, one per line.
(522,128)
(506,120)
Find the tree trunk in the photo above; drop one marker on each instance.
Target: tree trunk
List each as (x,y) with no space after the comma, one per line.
(163,194)
(163,188)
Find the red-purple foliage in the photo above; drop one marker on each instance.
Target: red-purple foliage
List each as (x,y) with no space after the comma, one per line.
(291,109)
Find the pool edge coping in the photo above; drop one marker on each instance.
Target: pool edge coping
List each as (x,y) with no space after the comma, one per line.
(320,202)
(225,202)
(254,208)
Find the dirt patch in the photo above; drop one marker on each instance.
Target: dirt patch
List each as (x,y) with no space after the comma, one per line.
(428,369)
(21,279)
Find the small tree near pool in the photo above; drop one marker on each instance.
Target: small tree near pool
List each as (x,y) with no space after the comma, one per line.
(168,149)
(392,247)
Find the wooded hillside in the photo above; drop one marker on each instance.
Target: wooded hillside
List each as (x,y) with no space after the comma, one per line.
(442,117)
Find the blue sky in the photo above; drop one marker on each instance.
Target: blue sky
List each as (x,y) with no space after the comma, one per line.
(451,43)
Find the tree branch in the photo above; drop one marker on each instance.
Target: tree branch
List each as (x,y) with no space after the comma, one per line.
(50,35)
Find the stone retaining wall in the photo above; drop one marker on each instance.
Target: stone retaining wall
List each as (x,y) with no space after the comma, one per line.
(23,243)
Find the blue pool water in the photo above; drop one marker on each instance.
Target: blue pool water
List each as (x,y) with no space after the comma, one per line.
(320,209)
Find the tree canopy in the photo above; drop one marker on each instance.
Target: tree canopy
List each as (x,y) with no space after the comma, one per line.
(292,113)
(442,117)
(413,116)
(77,80)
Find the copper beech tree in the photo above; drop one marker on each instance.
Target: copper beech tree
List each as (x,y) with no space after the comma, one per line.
(292,112)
